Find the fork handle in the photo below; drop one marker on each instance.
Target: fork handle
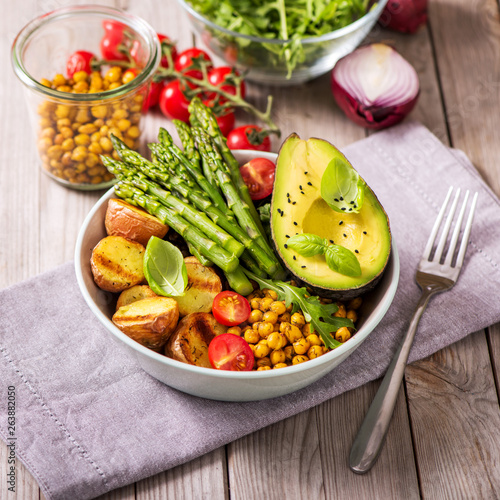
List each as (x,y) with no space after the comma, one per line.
(371,435)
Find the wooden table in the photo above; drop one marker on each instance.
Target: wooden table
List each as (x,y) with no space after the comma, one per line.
(444,441)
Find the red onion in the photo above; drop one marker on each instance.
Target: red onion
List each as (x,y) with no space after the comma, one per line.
(375,86)
(405,16)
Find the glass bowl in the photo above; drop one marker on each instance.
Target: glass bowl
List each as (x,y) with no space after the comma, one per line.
(265,60)
(72,126)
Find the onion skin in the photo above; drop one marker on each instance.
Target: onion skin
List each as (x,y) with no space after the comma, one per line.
(405,16)
(370,117)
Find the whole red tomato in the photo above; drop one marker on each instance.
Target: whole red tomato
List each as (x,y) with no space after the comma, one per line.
(153,97)
(173,102)
(218,76)
(112,40)
(249,137)
(188,62)
(258,175)
(81,60)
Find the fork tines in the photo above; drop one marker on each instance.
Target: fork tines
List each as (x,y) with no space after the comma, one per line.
(449,252)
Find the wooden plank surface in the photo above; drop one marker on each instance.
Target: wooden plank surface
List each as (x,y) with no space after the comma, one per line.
(443,442)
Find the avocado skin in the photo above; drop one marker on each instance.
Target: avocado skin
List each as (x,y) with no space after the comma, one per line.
(297,151)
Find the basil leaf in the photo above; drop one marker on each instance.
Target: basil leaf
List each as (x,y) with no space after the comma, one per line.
(342,260)
(307,244)
(164,268)
(342,187)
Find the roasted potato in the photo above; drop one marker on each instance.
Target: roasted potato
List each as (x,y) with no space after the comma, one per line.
(202,287)
(133,223)
(116,263)
(133,294)
(189,342)
(148,321)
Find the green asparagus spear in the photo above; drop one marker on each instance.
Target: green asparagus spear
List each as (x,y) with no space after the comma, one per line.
(203,260)
(211,250)
(198,219)
(184,133)
(204,116)
(239,282)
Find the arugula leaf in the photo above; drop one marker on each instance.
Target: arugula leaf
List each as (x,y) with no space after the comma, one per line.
(342,187)
(316,313)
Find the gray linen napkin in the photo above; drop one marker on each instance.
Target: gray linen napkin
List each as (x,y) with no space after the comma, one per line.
(89,420)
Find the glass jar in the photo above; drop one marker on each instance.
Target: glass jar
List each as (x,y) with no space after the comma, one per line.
(72,121)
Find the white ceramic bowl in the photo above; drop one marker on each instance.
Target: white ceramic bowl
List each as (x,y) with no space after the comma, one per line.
(219,384)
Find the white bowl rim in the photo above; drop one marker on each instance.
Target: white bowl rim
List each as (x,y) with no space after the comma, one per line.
(352,343)
(332,35)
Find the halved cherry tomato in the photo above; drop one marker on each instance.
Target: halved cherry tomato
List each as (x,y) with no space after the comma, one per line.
(80,60)
(258,175)
(248,137)
(173,102)
(218,76)
(191,58)
(112,40)
(230,308)
(230,352)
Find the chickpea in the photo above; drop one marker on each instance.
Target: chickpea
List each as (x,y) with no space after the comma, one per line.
(82,116)
(355,303)
(134,132)
(270,317)
(285,317)
(63,122)
(301,346)
(106,144)
(99,111)
(79,153)
(300,358)
(48,132)
(80,76)
(341,313)
(46,83)
(82,140)
(55,152)
(278,307)
(87,128)
(315,351)
(91,161)
(66,132)
(58,139)
(95,148)
(235,330)
(265,329)
(130,143)
(276,340)
(277,356)
(120,114)
(293,333)
(59,80)
(313,339)
(265,304)
(352,315)
(263,368)
(114,85)
(265,361)
(342,334)
(81,87)
(289,352)
(276,327)
(270,293)
(44,144)
(251,336)
(255,316)
(261,349)
(62,111)
(68,144)
(279,365)
(297,319)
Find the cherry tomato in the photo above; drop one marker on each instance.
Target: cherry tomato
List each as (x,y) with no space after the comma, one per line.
(230,308)
(217,77)
(173,50)
(173,102)
(80,60)
(258,175)
(191,58)
(153,97)
(230,352)
(248,137)
(226,122)
(112,40)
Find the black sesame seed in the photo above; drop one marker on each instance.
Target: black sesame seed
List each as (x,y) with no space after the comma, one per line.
(364,232)
(331,241)
(355,206)
(336,199)
(356,251)
(282,213)
(293,203)
(341,199)
(303,267)
(300,187)
(341,222)
(309,183)
(302,192)
(294,258)
(288,195)
(351,202)
(345,235)
(286,246)
(343,208)
(306,172)
(286,236)
(295,224)
(350,210)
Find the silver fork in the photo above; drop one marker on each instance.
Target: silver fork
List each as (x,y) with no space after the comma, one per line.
(433,275)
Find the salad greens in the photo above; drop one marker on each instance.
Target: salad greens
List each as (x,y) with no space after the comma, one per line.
(290,20)
(338,258)
(319,315)
(164,268)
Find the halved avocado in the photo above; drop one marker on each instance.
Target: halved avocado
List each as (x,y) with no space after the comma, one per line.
(297,207)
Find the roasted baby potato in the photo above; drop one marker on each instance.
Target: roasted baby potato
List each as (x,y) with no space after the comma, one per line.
(148,321)
(133,294)
(189,342)
(133,223)
(116,263)
(203,285)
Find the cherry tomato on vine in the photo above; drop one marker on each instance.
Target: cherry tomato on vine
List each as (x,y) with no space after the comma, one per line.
(173,102)
(173,50)
(138,55)
(81,60)
(248,137)
(190,58)
(112,40)
(226,122)
(230,352)
(230,308)
(218,76)
(153,97)
(258,175)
